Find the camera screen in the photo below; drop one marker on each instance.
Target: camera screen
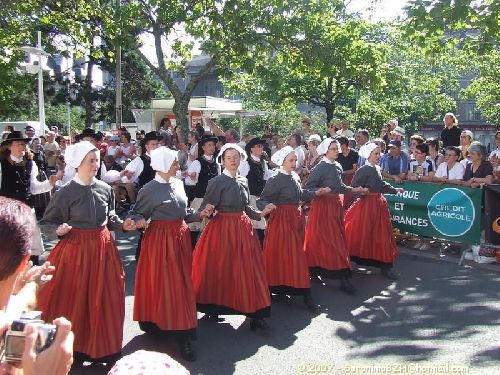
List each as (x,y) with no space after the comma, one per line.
(14,346)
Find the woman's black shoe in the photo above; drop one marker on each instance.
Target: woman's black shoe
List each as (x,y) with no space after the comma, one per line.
(186,350)
(215,318)
(346,286)
(311,305)
(256,324)
(389,273)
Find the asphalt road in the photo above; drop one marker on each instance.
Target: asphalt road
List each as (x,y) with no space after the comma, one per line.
(437,318)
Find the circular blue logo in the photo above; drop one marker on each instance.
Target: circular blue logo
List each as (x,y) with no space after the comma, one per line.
(451,212)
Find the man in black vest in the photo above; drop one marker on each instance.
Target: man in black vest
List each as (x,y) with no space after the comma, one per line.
(256,170)
(18,179)
(139,172)
(199,172)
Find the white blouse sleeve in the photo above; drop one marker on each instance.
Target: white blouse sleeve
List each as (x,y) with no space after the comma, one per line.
(37,187)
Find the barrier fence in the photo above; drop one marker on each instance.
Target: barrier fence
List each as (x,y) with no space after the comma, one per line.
(446,212)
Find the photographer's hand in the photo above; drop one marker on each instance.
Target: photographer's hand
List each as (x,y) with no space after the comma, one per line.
(38,274)
(57,359)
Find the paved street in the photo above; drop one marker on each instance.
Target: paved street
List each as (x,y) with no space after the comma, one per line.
(437,314)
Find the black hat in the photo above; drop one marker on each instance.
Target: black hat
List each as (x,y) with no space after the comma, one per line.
(208,138)
(254,142)
(150,136)
(89,132)
(16,135)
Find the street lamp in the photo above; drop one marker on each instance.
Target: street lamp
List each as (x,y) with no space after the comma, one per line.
(33,69)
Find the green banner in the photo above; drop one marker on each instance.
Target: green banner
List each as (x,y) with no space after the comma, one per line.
(433,210)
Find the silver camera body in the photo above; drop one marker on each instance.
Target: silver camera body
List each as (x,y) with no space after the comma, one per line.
(15,337)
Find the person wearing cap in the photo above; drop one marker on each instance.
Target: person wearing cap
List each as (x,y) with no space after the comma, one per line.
(94,138)
(52,150)
(29,131)
(256,170)
(88,285)
(324,244)
(166,252)
(344,130)
(306,127)
(394,164)
(368,225)
(420,168)
(332,128)
(18,179)
(450,135)
(399,134)
(113,145)
(466,138)
(387,129)
(228,270)
(198,174)
(285,262)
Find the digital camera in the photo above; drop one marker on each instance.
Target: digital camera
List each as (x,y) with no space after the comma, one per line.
(15,337)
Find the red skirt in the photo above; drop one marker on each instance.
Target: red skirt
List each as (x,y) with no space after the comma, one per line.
(88,288)
(368,227)
(325,241)
(164,292)
(228,270)
(284,258)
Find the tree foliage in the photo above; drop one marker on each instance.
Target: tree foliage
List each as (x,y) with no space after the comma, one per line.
(485,88)
(440,24)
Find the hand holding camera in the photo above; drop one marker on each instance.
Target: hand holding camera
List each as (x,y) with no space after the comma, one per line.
(56,359)
(37,347)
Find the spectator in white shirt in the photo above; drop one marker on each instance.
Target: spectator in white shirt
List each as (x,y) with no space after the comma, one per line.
(295,141)
(451,171)
(345,131)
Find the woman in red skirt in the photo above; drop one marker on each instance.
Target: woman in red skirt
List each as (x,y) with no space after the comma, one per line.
(284,258)
(164,299)
(228,271)
(325,244)
(368,227)
(88,286)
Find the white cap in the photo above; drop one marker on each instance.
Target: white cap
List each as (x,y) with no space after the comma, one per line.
(146,362)
(314,137)
(399,130)
(74,154)
(162,159)
(366,150)
(279,156)
(323,146)
(234,146)
(469,133)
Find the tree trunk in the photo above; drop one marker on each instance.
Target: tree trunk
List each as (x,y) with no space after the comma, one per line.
(180,110)
(87,96)
(329,108)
